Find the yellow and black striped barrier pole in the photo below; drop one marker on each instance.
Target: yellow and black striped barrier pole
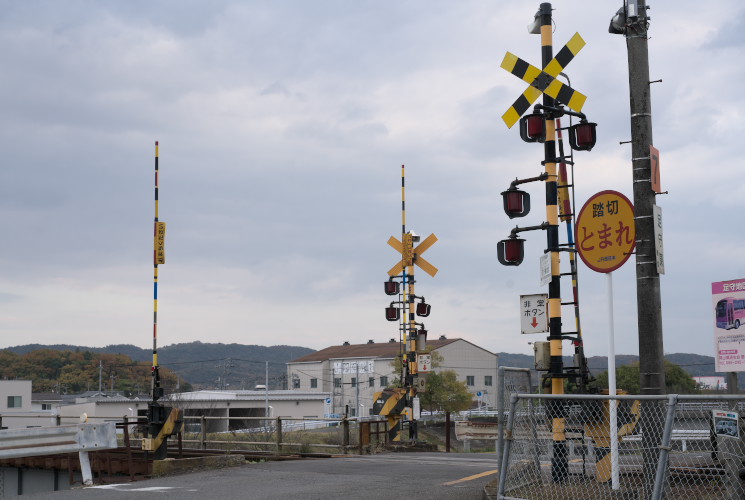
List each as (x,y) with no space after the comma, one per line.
(159,232)
(559,462)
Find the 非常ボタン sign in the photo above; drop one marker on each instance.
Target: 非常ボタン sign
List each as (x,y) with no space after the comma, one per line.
(534,313)
(606,233)
(543,81)
(424,363)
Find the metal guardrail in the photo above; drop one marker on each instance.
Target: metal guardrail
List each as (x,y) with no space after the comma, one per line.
(80,438)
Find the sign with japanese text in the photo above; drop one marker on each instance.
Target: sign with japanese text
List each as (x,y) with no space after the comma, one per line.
(534,313)
(654,160)
(728,303)
(606,233)
(160,242)
(545,269)
(353,367)
(726,423)
(659,251)
(423,363)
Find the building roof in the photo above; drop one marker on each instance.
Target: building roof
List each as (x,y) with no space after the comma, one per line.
(45,396)
(385,350)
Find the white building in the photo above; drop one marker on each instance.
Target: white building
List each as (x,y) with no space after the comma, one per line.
(353,373)
(234,404)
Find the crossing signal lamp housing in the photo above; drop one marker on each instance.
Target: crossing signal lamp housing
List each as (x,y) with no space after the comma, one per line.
(391,287)
(392,313)
(582,136)
(511,251)
(516,203)
(533,127)
(423,309)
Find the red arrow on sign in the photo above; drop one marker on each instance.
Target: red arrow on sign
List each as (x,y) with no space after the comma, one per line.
(534,323)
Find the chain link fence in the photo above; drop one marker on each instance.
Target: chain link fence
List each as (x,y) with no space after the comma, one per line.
(577,447)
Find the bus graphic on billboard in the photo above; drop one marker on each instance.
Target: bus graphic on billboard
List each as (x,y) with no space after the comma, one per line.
(730,313)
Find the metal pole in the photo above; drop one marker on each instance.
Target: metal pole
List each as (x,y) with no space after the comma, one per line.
(559,460)
(567,215)
(507,446)
(158,256)
(500,415)
(357,391)
(266,389)
(612,402)
(664,447)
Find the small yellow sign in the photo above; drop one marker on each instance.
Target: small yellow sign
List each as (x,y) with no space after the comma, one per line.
(606,233)
(408,250)
(160,241)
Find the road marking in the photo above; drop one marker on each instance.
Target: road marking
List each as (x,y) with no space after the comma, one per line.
(470,478)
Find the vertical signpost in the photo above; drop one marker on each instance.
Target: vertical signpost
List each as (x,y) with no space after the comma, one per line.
(606,236)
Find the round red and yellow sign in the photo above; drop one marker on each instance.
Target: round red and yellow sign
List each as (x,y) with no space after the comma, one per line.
(605,235)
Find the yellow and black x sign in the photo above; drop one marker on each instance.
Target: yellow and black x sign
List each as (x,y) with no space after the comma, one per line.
(411,255)
(544,81)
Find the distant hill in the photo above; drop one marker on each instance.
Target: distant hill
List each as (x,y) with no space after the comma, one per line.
(234,366)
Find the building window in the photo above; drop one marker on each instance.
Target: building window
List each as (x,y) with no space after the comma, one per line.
(383,381)
(14,401)
(296,383)
(314,383)
(371,382)
(354,381)
(487,380)
(469,380)
(337,382)
(46,406)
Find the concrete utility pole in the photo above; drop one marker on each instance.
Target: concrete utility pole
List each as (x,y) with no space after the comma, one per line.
(649,304)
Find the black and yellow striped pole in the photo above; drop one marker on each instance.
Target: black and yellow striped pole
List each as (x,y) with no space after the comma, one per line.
(157,413)
(559,462)
(412,340)
(159,257)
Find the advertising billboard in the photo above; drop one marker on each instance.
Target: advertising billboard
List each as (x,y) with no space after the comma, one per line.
(728,305)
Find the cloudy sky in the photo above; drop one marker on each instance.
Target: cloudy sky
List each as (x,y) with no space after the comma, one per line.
(283,127)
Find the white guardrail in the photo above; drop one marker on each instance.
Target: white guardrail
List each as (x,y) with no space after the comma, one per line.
(80,438)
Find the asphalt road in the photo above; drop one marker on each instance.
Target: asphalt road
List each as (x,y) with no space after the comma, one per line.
(430,476)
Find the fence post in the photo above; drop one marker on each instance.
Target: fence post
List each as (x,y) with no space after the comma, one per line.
(203,432)
(447,432)
(345,431)
(500,416)
(507,445)
(667,433)
(279,435)
(58,419)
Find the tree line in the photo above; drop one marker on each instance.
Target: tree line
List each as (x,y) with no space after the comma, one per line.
(72,372)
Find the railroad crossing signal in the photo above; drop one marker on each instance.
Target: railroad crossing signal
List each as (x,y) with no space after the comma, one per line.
(544,81)
(411,255)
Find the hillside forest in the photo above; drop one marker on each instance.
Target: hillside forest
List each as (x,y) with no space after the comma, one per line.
(73,372)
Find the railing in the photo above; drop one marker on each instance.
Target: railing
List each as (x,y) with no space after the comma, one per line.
(277,435)
(679,447)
